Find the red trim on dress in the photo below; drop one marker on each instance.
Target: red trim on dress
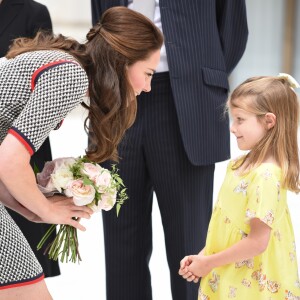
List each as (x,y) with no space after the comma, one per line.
(39,70)
(22,140)
(13,285)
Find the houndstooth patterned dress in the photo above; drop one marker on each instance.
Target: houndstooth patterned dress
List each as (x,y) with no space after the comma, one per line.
(37,90)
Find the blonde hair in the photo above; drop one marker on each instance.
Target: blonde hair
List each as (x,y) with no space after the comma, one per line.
(266,94)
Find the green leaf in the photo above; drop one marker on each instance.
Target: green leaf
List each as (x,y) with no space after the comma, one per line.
(118,207)
(87,181)
(35,169)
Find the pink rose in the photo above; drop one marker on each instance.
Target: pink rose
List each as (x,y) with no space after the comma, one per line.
(103,181)
(106,202)
(82,194)
(91,170)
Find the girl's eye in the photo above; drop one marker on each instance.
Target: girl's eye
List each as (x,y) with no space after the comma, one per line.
(240,120)
(149,74)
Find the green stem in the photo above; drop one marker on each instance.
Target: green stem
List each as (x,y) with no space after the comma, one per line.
(65,244)
(56,244)
(46,236)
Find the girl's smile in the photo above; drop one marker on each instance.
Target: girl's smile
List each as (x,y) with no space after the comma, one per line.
(247,128)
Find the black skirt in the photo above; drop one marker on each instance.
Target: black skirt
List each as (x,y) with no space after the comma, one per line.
(33,232)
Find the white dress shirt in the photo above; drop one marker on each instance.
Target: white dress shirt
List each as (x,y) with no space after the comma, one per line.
(163,64)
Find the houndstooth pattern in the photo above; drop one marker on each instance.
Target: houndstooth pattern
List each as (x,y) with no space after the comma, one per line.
(33,114)
(17,261)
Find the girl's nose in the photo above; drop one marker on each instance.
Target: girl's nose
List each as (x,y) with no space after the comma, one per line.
(232,128)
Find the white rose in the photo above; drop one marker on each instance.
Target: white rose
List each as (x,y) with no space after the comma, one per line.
(61,178)
(94,207)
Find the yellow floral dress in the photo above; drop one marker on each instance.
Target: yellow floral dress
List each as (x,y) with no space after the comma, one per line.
(270,275)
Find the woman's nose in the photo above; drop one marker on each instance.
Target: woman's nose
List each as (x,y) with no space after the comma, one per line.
(147,87)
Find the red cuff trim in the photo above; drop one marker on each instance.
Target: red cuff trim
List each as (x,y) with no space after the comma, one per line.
(59,124)
(36,279)
(23,140)
(37,73)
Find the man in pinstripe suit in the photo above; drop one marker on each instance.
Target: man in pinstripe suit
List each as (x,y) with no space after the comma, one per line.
(179,134)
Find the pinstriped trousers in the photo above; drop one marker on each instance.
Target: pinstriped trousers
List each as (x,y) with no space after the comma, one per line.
(153,159)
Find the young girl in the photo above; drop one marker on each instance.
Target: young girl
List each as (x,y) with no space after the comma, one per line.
(250,248)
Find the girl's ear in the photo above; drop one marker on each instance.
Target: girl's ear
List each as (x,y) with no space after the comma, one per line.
(270,120)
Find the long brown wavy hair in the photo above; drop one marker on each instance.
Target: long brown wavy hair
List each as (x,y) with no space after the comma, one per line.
(121,38)
(261,95)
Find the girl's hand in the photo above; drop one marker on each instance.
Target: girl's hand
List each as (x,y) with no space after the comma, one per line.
(63,210)
(184,271)
(199,265)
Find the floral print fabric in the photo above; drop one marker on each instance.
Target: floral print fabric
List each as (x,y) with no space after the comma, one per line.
(270,275)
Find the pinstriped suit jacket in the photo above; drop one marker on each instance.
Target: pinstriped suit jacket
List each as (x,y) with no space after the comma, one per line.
(204,41)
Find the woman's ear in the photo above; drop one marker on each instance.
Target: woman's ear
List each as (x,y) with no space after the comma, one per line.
(270,120)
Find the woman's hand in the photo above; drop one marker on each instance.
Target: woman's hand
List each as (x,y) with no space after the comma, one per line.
(62,210)
(18,178)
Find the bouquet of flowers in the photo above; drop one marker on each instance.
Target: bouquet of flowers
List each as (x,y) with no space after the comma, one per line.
(89,184)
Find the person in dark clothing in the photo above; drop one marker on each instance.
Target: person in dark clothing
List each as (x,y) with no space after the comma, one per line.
(179,134)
